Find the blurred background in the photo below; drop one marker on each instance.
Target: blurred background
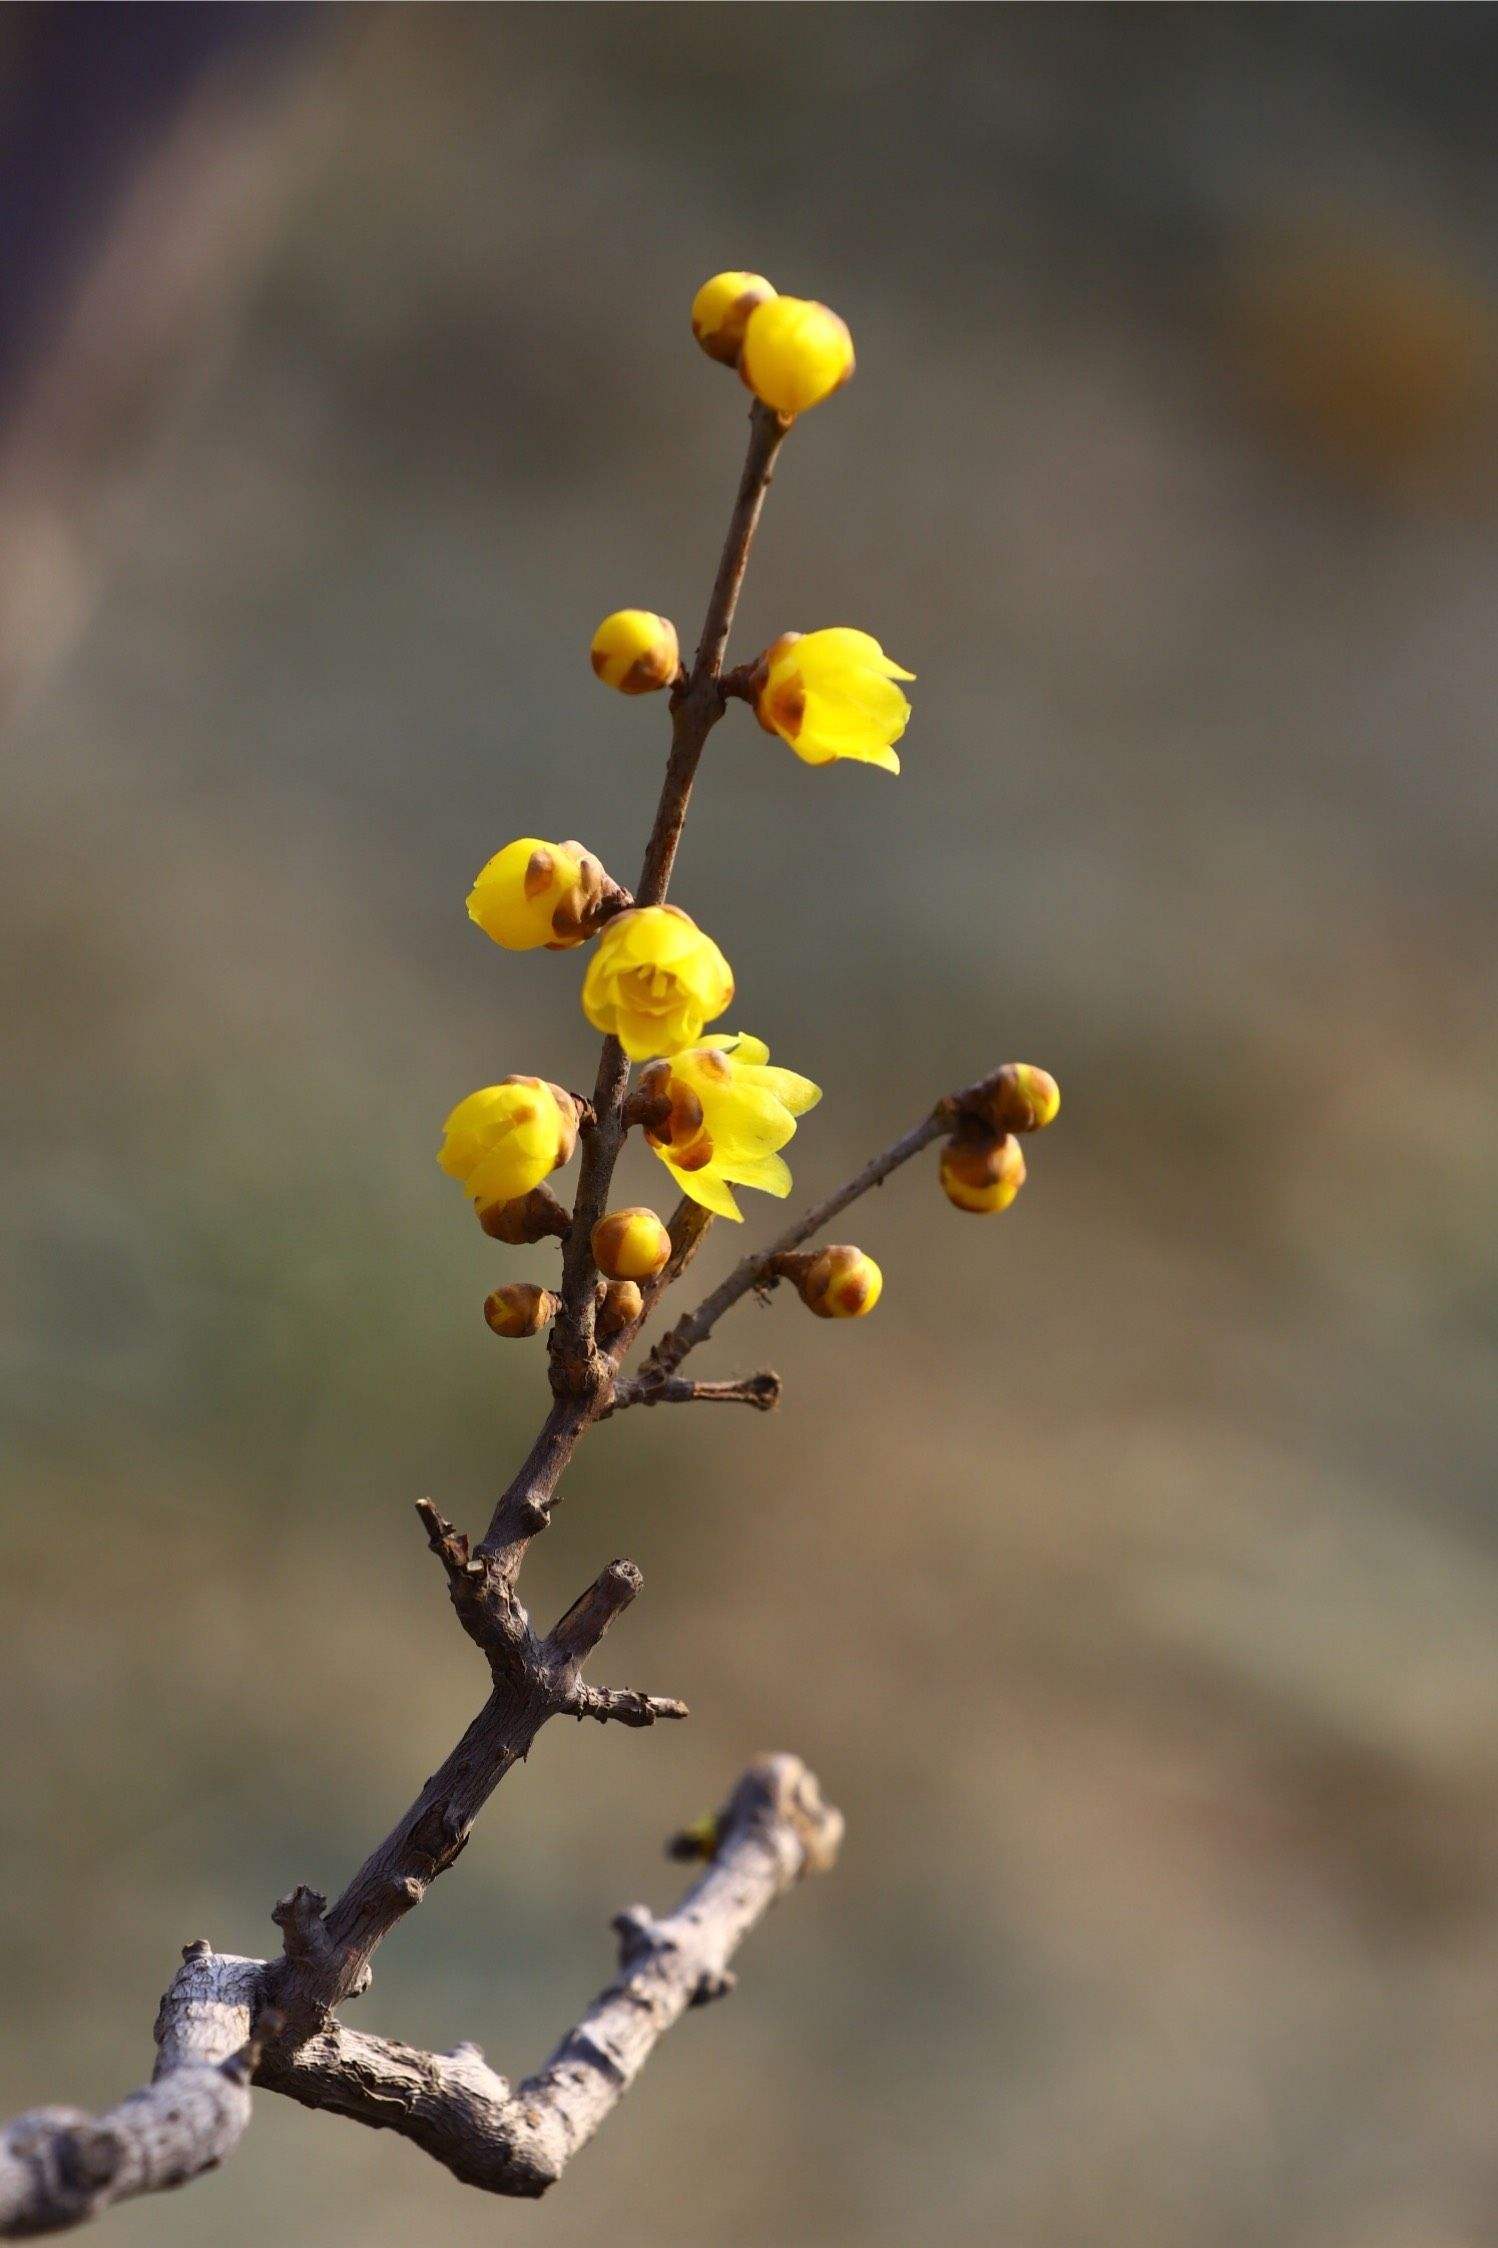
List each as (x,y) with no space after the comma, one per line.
(1131,1579)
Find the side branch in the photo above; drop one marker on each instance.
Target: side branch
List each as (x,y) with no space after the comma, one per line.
(757,1269)
(59,2167)
(774,1828)
(761,1390)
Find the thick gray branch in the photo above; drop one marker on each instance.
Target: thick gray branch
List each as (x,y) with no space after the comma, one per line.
(58,2166)
(774,1828)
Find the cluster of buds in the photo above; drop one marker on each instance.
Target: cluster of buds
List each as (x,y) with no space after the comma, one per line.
(983,1164)
(711,1106)
(790,351)
(838,1282)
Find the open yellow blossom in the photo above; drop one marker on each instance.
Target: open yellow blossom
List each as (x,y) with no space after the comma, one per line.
(832,694)
(795,353)
(655,981)
(533,893)
(720,309)
(635,651)
(729,1116)
(504,1139)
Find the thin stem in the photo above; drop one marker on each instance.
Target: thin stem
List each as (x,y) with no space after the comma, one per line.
(582,1374)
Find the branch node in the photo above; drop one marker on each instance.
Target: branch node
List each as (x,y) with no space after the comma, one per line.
(304,1932)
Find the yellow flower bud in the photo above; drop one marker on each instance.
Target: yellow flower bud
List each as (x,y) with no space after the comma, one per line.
(533,893)
(636,651)
(724,1115)
(631,1245)
(982,1174)
(655,981)
(520,1308)
(795,353)
(841,1283)
(720,309)
(1020,1098)
(621,1306)
(504,1139)
(831,694)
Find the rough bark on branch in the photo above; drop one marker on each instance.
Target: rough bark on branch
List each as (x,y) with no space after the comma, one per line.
(59,2167)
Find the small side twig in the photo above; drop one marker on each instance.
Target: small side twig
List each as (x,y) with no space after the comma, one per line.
(761,1390)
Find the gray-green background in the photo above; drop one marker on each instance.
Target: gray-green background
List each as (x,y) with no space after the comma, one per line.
(1131,1578)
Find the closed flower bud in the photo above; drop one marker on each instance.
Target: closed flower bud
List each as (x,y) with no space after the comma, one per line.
(630,1245)
(832,694)
(840,1283)
(533,1217)
(1020,1098)
(533,893)
(795,353)
(720,309)
(520,1308)
(502,1141)
(621,1305)
(655,981)
(636,651)
(982,1174)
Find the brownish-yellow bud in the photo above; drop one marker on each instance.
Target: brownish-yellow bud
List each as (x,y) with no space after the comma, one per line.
(635,651)
(720,308)
(840,1283)
(532,1218)
(520,1308)
(699,1840)
(982,1174)
(620,1306)
(630,1245)
(1020,1098)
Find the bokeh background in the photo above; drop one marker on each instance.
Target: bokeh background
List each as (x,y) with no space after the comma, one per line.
(1132,1578)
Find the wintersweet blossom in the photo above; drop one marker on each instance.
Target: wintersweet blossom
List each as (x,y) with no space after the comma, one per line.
(795,353)
(504,1139)
(725,1115)
(832,694)
(533,893)
(655,981)
(720,309)
(635,651)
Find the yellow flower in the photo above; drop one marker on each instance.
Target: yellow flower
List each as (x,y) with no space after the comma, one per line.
(720,309)
(841,1283)
(655,980)
(795,353)
(503,1140)
(630,1245)
(982,1175)
(832,694)
(729,1115)
(533,893)
(635,651)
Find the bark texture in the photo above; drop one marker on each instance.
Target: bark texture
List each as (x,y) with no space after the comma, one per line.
(217,2032)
